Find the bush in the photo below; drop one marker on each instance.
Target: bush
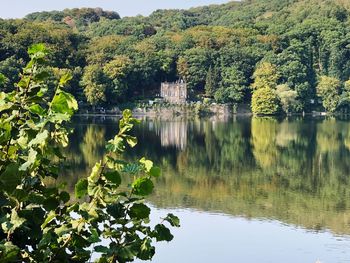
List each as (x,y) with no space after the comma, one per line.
(265,102)
(41,223)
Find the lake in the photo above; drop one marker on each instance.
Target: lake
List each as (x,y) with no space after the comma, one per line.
(245,189)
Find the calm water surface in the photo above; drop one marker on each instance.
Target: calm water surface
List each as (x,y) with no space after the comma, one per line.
(245,189)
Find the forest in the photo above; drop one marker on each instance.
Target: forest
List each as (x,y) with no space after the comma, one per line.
(279,55)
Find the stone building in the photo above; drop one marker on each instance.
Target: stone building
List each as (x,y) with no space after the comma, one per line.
(175,92)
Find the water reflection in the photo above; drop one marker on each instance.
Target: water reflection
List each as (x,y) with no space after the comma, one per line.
(171,133)
(293,170)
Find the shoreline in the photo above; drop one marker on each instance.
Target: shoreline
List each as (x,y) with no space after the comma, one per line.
(160,114)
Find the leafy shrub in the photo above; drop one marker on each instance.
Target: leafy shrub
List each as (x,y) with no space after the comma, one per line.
(41,223)
(265,102)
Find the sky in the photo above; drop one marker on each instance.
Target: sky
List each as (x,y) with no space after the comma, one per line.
(20,8)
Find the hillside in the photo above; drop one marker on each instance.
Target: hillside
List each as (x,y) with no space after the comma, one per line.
(292,47)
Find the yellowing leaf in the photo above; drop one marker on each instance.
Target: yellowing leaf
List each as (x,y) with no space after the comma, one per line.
(147,163)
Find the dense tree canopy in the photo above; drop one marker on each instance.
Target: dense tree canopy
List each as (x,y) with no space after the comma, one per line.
(223,51)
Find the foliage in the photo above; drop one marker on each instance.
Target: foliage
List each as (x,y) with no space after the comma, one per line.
(233,86)
(211,82)
(94,83)
(127,27)
(329,90)
(288,98)
(41,222)
(10,68)
(265,101)
(256,44)
(77,17)
(192,67)
(265,76)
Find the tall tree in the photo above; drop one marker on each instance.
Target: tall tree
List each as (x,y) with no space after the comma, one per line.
(329,90)
(233,86)
(211,81)
(265,76)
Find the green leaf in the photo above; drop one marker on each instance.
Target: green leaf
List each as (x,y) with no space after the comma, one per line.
(37,109)
(63,229)
(146,250)
(132,141)
(132,168)
(36,48)
(11,177)
(51,203)
(78,224)
(41,76)
(40,138)
(59,117)
(5,106)
(128,253)
(65,78)
(116,210)
(9,253)
(162,233)
(20,194)
(94,237)
(113,177)
(64,103)
(155,171)
(127,114)
(139,211)
(116,145)
(5,132)
(15,222)
(143,186)
(2,78)
(101,249)
(4,103)
(95,174)
(64,196)
(48,219)
(30,161)
(173,220)
(24,82)
(35,198)
(147,163)
(81,188)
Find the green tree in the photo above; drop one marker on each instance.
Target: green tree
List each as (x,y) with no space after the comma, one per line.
(295,65)
(265,101)
(288,98)
(94,82)
(211,81)
(117,71)
(329,90)
(233,86)
(10,68)
(265,76)
(192,67)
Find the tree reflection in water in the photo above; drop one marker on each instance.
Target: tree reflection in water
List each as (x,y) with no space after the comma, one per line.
(294,170)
